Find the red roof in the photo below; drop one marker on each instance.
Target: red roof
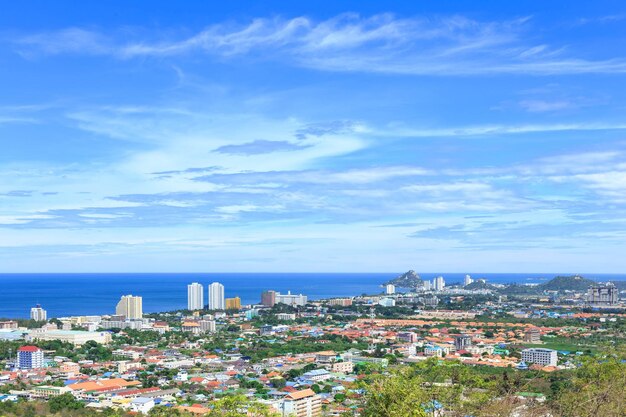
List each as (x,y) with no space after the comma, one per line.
(28,349)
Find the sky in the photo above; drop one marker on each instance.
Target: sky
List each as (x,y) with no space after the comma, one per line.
(309,136)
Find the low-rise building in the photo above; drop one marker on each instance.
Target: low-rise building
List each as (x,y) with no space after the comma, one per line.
(46,391)
(342,367)
(532,335)
(142,405)
(317,375)
(75,337)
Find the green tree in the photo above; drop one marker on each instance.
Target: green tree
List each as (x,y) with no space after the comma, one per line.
(64,402)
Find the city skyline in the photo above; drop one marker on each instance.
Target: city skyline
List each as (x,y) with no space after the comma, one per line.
(349,137)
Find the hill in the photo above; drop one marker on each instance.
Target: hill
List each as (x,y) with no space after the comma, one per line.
(571,283)
(409,279)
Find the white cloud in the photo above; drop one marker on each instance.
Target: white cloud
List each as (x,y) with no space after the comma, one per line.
(384,43)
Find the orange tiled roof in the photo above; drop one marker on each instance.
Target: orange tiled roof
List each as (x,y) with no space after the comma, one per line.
(103,383)
(298,395)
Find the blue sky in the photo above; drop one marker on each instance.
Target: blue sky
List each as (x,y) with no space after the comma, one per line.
(313,136)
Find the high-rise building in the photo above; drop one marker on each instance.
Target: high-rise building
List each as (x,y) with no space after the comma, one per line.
(467,281)
(603,295)
(233,303)
(540,356)
(216,296)
(195,296)
(390,289)
(439,283)
(130,306)
(38,314)
(268,298)
(426,285)
(30,357)
(462,342)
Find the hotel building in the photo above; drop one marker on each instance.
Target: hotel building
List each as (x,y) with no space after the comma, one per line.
(130,306)
(268,298)
(38,314)
(291,299)
(30,357)
(546,357)
(233,303)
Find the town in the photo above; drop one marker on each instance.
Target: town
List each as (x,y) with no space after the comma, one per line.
(291,356)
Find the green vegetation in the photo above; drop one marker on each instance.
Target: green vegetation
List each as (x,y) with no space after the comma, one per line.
(594,389)
(262,349)
(572,283)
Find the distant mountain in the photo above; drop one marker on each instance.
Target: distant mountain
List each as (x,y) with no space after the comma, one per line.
(479,285)
(571,283)
(409,279)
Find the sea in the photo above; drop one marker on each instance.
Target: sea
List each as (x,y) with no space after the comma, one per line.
(97,294)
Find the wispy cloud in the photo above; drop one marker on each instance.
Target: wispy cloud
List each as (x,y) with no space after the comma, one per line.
(384,43)
(546,106)
(499,129)
(259,147)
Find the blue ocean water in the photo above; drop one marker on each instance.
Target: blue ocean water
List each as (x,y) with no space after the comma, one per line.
(82,294)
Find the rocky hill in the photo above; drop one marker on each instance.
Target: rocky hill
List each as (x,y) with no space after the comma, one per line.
(409,279)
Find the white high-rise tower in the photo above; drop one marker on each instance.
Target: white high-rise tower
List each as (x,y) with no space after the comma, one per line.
(38,314)
(439,283)
(195,296)
(216,296)
(467,281)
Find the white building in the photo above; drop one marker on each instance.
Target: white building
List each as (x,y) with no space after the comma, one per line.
(30,357)
(291,299)
(286,316)
(75,337)
(207,326)
(426,285)
(38,314)
(130,306)
(142,405)
(195,296)
(439,283)
(467,281)
(390,289)
(216,296)
(304,403)
(546,357)
(387,302)
(317,375)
